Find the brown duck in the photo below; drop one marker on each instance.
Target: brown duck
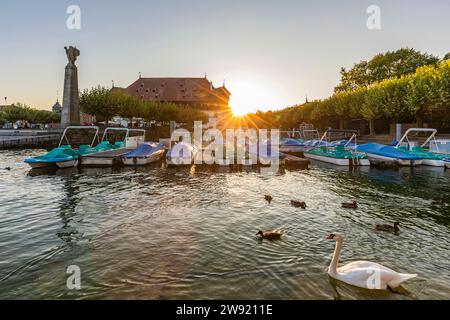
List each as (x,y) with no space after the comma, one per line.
(272,235)
(388,227)
(298,204)
(351,205)
(268,198)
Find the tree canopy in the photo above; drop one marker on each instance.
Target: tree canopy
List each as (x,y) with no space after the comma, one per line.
(104,104)
(422,94)
(19,111)
(392,64)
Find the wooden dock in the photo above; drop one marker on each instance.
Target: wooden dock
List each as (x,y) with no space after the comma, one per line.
(294,161)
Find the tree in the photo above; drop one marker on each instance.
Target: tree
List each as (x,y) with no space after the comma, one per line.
(392,64)
(16,112)
(394,93)
(372,108)
(20,111)
(127,106)
(423,93)
(446,57)
(99,102)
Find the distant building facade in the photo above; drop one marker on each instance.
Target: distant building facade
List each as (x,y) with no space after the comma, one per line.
(85,119)
(195,92)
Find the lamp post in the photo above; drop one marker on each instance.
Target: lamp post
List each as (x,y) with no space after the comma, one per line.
(6,98)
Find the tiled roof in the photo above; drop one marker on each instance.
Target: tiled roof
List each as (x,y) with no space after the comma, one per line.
(177,90)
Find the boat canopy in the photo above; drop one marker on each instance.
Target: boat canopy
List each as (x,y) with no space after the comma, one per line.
(291,142)
(65,153)
(386,151)
(144,150)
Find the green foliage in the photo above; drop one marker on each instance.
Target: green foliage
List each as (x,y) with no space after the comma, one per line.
(20,111)
(423,94)
(99,102)
(392,64)
(105,104)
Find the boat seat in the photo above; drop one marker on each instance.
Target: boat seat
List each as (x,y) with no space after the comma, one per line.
(417,149)
(118,144)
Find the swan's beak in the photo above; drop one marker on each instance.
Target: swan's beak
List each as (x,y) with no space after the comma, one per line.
(330,237)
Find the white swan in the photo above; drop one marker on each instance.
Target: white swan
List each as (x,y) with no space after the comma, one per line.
(364,274)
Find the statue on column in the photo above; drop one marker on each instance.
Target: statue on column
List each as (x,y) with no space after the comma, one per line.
(70,114)
(72,54)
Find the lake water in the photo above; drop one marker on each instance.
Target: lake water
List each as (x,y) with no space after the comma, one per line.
(189,233)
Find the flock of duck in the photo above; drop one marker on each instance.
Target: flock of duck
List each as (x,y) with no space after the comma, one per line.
(363,274)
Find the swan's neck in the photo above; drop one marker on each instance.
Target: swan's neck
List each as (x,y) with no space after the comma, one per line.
(336,255)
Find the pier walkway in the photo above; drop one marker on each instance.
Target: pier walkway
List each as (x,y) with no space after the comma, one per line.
(10,139)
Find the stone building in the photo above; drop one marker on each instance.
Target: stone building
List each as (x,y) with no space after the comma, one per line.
(195,92)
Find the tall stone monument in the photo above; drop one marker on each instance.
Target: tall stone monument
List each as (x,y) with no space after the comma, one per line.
(70,114)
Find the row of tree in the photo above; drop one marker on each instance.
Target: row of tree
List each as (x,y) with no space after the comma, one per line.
(104,104)
(21,112)
(421,95)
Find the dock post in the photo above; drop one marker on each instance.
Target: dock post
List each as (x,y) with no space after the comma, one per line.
(398,133)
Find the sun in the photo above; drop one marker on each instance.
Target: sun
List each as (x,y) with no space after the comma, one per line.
(250,95)
(239,111)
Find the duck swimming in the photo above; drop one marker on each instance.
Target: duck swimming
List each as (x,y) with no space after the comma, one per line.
(351,205)
(388,227)
(361,273)
(268,198)
(298,204)
(272,235)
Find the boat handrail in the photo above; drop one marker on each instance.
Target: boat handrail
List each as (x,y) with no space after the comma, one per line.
(137,130)
(354,136)
(431,137)
(352,131)
(78,127)
(292,133)
(115,129)
(312,131)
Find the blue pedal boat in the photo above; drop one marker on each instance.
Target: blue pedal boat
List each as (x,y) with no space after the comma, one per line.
(381,152)
(144,154)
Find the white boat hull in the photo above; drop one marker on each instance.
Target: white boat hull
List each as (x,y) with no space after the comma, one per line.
(447,164)
(434,163)
(67,164)
(399,162)
(142,161)
(338,161)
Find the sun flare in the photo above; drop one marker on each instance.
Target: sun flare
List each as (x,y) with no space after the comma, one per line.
(238,111)
(249,96)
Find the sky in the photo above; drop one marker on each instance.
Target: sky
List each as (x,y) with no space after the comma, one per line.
(271,54)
